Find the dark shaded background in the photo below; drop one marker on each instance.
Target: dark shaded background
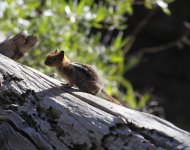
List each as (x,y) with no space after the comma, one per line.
(166,73)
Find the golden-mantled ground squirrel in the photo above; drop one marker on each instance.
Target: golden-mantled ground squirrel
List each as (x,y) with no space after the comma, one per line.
(82,76)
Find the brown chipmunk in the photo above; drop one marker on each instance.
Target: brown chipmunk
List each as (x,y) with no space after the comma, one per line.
(82,76)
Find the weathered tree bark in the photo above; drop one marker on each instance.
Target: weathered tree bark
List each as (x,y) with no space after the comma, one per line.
(36,112)
(18,45)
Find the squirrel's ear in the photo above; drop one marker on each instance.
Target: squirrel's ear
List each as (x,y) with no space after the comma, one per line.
(62,53)
(56,50)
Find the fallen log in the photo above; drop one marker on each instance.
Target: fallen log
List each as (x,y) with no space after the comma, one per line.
(37,112)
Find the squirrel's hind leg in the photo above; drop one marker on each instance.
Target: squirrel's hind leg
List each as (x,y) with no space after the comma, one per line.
(67,85)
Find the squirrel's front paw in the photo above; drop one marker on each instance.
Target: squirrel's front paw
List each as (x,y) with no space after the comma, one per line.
(67,85)
(52,75)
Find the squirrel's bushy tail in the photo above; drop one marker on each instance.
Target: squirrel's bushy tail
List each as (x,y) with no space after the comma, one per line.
(103,94)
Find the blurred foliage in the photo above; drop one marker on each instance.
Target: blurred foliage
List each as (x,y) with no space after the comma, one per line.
(84,30)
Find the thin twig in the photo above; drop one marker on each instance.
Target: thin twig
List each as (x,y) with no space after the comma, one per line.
(137,30)
(180,42)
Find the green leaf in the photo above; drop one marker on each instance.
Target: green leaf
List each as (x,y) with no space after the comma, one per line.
(118,40)
(130,95)
(101,14)
(143,100)
(97,25)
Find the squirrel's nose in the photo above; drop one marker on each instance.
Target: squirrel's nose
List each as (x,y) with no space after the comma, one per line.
(46,62)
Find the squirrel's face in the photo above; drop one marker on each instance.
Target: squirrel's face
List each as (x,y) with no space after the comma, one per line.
(55,58)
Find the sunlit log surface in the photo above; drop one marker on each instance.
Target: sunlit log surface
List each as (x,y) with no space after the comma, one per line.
(36,112)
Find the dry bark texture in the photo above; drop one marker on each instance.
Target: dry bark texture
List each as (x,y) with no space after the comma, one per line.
(15,47)
(36,112)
